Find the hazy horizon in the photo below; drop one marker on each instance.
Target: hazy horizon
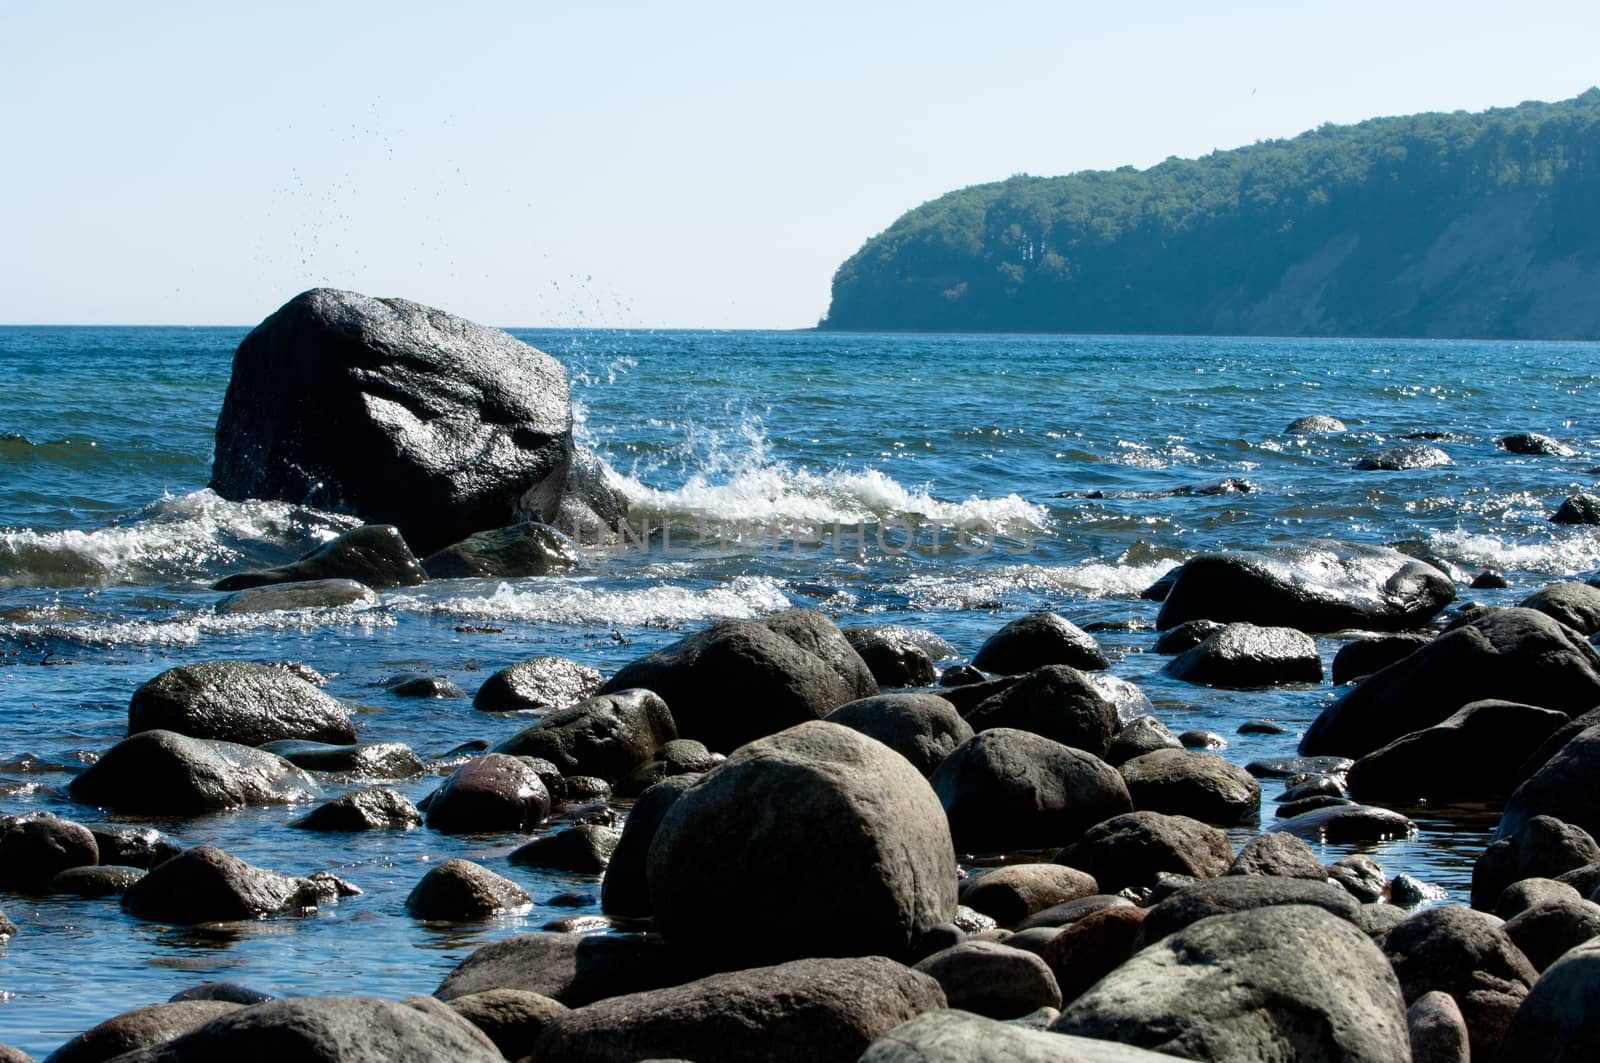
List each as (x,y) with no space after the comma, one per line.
(639,166)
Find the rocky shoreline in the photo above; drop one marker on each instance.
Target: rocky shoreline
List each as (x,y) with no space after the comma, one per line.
(814,842)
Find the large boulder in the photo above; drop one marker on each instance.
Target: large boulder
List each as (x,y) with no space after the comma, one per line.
(1185,783)
(1458,951)
(238,701)
(398,413)
(1242,893)
(1559,1021)
(538,684)
(923,728)
(899,656)
(993,979)
(1576,605)
(165,773)
(139,1028)
(1542,847)
(742,862)
(1284,982)
(1321,586)
(810,1010)
(321,1029)
(742,679)
(1056,701)
(1475,755)
(571,968)
(606,736)
(527,549)
(1512,654)
(1007,789)
(1563,787)
(35,848)
(1036,640)
(289,597)
(1131,850)
(626,887)
(457,890)
(1247,655)
(494,792)
(207,885)
(949,1035)
(374,555)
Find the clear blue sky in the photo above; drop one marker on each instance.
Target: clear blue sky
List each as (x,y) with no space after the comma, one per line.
(633,164)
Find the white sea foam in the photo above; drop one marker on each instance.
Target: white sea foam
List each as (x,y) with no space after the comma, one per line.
(574,601)
(175,538)
(187,628)
(1566,552)
(1092,579)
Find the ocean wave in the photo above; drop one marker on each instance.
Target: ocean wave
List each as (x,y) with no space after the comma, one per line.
(574,602)
(188,628)
(1561,553)
(177,538)
(981,590)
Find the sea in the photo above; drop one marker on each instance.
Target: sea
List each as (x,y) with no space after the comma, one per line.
(948,482)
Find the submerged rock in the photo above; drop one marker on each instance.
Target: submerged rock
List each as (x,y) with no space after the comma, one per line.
(373,555)
(528,549)
(1036,640)
(1246,655)
(380,760)
(1404,456)
(165,773)
(539,684)
(207,885)
(1534,443)
(1582,508)
(1315,424)
(458,890)
(375,808)
(238,701)
(286,597)
(1318,587)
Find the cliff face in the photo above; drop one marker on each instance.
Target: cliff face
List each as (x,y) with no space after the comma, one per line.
(1460,225)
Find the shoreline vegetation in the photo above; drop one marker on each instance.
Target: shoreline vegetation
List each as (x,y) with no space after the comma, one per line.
(1466,226)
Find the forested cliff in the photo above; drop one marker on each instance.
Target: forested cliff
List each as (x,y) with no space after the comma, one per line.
(1439,225)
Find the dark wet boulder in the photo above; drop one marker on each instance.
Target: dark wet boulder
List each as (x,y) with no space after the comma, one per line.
(373,555)
(1541,847)
(1512,654)
(378,760)
(899,656)
(1133,849)
(139,1028)
(286,597)
(859,825)
(1563,787)
(493,792)
(1315,424)
(1297,768)
(681,756)
(164,773)
(207,885)
(1362,657)
(1011,893)
(1475,755)
(1006,789)
(584,849)
(1582,508)
(1140,735)
(821,1010)
(968,696)
(375,808)
(1547,930)
(1559,1021)
(1402,457)
(742,679)
(1348,823)
(328,1029)
(1260,727)
(1241,893)
(1201,785)
(1202,740)
(1558,740)
(1056,701)
(594,509)
(1069,912)
(1576,605)
(1489,580)
(526,549)
(231,992)
(238,701)
(954,1036)
(1238,987)
(1277,855)
(1246,655)
(571,968)
(539,684)
(512,1018)
(398,413)
(1036,640)
(458,890)
(104,880)
(1458,951)
(993,979)
(35,848)
(422,685)
(923,728)
(626,888)
(1186,636)
(607,736)
(1533,443)
(1322,586)
(133,846)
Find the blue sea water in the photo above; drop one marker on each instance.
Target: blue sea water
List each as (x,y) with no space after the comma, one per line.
(951,482)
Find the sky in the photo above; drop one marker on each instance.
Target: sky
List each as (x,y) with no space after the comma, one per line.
(641,165)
